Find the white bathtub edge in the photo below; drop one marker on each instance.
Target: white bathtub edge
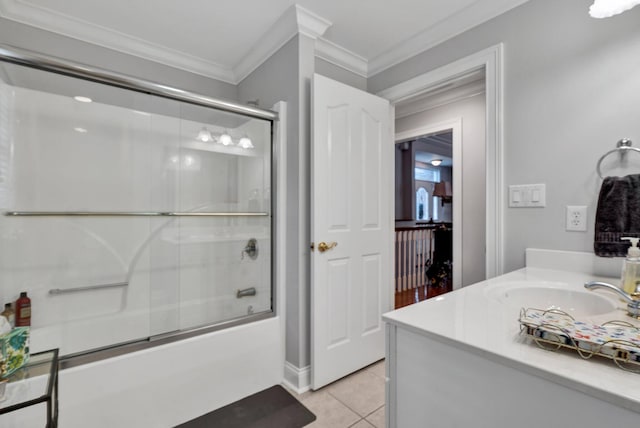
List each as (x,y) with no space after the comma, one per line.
(171,384)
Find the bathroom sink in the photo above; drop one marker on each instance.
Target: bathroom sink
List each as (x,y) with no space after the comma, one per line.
(551,295)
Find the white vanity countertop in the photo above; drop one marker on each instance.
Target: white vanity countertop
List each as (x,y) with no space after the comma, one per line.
(474,320)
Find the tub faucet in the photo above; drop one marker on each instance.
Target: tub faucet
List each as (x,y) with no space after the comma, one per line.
(633,300)
(251,291)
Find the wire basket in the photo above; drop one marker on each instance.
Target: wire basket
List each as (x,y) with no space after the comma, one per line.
(553,329)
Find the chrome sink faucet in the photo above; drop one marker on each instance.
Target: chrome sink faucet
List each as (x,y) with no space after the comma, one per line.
(633,300)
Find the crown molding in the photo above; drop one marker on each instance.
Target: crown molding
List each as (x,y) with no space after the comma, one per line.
(314,26)
(341,57)
(439,98)
(309,23)
(295,20)
(283,30)
(465,19)
(56,22)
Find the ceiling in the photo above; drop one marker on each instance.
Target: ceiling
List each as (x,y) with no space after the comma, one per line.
(443,139)
(426,157)
(227,39)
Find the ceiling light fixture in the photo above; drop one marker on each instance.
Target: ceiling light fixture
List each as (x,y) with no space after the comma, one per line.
(608,8)
(82,99)
(245,143)
(436,162)
(225,139)
(204,135)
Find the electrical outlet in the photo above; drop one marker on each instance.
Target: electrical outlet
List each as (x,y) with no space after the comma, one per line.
(576,218)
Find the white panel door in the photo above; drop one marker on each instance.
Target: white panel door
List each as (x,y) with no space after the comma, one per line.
(351,206)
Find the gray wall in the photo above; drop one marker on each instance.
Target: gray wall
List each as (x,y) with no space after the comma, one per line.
(277,79)
(32,38)
(287,76)
(572,89)
(307,68)
(334,72)
(472,112)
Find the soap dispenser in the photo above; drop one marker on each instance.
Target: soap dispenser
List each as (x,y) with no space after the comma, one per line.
(631,267)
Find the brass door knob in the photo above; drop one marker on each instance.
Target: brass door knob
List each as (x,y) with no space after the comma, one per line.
(323,246)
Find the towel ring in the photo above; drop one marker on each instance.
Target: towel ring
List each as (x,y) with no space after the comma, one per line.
(623,147)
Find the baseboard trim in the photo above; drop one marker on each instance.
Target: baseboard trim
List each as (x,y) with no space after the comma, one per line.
(297,379)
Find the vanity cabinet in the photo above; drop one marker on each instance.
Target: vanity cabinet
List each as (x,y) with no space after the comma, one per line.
(458,360)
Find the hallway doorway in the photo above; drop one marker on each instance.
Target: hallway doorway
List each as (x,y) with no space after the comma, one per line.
(484,207)
(424,217)
(460,102)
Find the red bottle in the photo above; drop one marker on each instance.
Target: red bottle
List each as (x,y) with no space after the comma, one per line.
(23,310)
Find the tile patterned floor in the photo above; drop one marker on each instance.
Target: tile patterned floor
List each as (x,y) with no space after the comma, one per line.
(356,401)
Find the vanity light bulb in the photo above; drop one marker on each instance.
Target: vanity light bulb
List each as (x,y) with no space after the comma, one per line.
(225,139)
(204,135)
(245,143)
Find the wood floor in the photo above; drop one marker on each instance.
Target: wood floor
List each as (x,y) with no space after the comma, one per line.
(423,292)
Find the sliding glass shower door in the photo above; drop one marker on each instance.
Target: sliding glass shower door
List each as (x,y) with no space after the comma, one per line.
(127,216)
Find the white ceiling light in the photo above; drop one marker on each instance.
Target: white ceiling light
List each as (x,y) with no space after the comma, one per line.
(204,135)
(225,139)
(82,99)
(436,162)
(245,143)
(607,8)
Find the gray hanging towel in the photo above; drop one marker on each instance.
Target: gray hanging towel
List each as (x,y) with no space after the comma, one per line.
(618,215)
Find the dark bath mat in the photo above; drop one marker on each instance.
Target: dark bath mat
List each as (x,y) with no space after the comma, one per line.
(272,408)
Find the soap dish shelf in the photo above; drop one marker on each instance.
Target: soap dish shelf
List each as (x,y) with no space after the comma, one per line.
(553,329)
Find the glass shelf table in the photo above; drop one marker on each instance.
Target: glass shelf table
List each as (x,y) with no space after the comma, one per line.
(33,386)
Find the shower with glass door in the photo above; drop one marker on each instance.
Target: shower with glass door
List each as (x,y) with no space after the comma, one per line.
(130,212)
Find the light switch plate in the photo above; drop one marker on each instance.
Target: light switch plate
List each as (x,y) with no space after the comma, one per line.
(527,196)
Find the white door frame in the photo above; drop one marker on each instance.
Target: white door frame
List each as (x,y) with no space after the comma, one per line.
(455,125)
(279,193)
(491,60)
